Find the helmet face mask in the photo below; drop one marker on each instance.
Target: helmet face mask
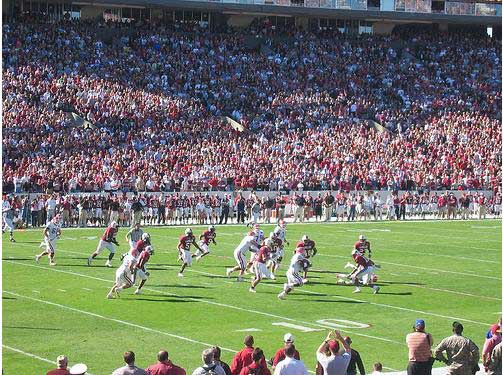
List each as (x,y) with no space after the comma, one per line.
(145,237)
(188,231)
(211,228)
(305,238)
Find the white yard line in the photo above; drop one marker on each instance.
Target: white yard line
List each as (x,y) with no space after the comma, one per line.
(31,355)
(440,255)
(123,322)
(214,303)
(427,269)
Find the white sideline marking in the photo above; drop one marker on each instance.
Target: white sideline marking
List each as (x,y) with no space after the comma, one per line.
(301,290)
(62,290)
(35,291)
(32,355)
(89,290)
(219,304)
(248,330)
(116,320)
(442,255)
(421,268)
(297,327)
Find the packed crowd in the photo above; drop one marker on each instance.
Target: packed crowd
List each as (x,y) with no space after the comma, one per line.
(198,208)
(334,356)
(156,97)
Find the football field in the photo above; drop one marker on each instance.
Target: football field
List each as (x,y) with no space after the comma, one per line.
(436,271)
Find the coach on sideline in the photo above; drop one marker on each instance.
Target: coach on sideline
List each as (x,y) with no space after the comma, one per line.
(419,343)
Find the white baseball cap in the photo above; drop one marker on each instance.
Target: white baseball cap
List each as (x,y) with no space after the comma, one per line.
(78,369)
(288,338)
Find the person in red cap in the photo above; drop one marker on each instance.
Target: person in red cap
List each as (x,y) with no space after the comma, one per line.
(244,358)
(337,362)
(280,353)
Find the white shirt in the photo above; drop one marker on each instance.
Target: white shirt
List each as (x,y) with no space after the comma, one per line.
(294,263)
(52,231)
(51,204)
(290,366)
(246,243)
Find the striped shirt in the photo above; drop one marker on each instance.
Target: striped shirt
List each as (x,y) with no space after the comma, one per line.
(419,344)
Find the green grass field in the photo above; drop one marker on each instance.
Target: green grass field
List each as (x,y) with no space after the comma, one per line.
(437,271)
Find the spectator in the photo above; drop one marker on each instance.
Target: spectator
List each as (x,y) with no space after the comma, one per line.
(336,363)
(462,353)
(356,360)
(494,364)
(255,368)
(164,366)
(216,357)
(377,369)
(490,344)
(244,357)
(130,368)
(280,355)
(209,366)
(290,365)
(419,343)
(62,363)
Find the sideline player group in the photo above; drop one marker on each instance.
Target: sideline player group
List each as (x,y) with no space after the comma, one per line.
(266,256)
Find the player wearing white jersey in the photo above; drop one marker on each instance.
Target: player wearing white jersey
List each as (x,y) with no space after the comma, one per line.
(52,232)
(124,276)
(8,218)
(298,263)
(280,231)
(249,243)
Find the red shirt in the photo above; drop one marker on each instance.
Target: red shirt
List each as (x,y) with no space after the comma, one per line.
(362,247)
(208,236)
(263,254)
(262,370)
(280,355)
(185,242)
(58,371)
(361,260)
(242,359)
(138,248)
(144,257)
(109,234)
(164,368)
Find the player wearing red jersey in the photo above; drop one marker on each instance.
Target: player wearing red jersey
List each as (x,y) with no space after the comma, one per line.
(107,241)
(205,239)
(364,269)
(259,264)
(310,249)
(184,244)
(140,269)
(363,246)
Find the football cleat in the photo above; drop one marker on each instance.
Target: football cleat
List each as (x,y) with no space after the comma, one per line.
(37,258)
(12,240)
(357,290)
(89,260)
(198,258)
(376,289)
(108,263)
(240,278)
(228,271)
(252,290)
(52,263)
(180,274)
(304,281)
(110,296)
(273,277)
(137,291)
(282,295)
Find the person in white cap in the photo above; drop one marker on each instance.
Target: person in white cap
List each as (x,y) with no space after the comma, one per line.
(280,355)
(78,369)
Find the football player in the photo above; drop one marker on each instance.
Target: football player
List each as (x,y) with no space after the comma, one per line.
(249,242)
(124,276)
(186,240)
(107,241)
(298,263)
(140,269)
(364,271)
(362,246)
(52,232)
(205,239)
(310,249)
(8,217)
(259,265)
(277,252)
(281,231)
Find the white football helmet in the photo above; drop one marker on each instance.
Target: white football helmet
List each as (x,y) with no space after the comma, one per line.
(362,237)
(113,224)
(145,237)
(272,235)
(188,231)
(305,237)
(268,242)
(211,228)
(149,249)
(277,230)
